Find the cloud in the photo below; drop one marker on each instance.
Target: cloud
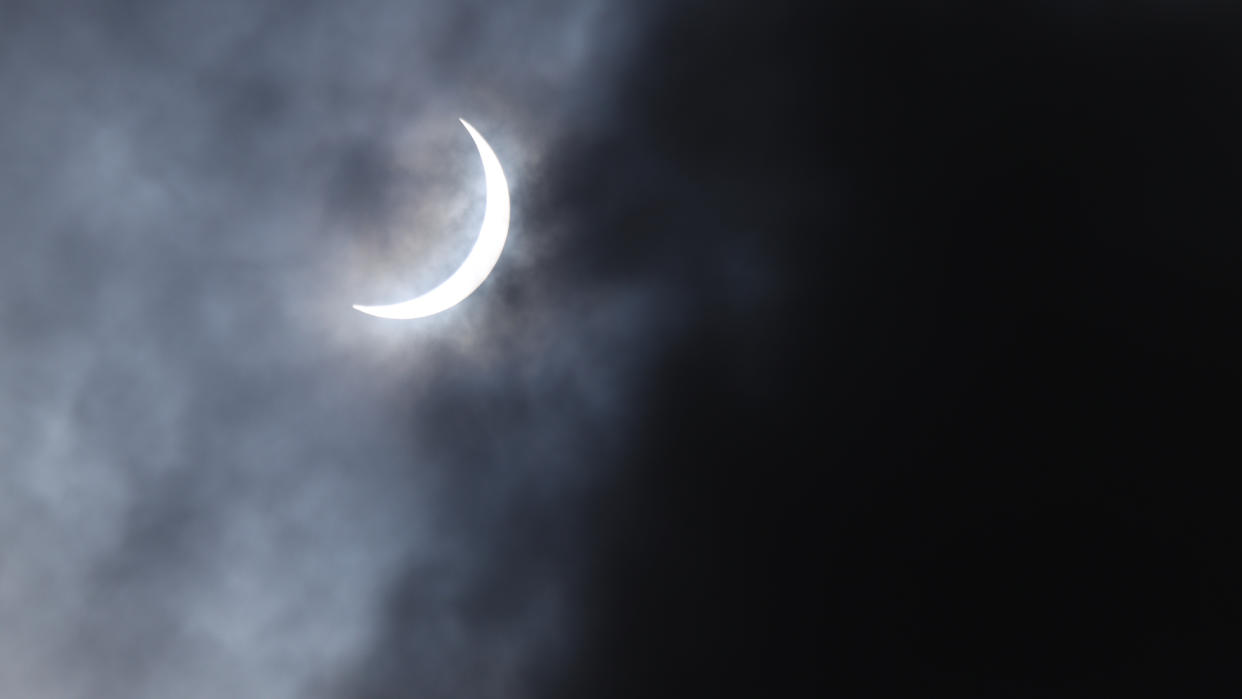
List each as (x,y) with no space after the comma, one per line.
(218,479)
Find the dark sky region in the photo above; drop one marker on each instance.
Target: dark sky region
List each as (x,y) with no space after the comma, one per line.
(838,349)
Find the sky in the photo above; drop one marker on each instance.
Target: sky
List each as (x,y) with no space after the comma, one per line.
(854,350)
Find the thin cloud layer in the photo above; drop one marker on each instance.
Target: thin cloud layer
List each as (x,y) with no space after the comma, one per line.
(219,480)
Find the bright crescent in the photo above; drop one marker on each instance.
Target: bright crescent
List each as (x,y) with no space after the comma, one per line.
(482,258)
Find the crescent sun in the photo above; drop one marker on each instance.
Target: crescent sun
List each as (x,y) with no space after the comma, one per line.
(482,258)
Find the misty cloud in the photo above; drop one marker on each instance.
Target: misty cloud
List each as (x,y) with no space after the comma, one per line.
(218,480)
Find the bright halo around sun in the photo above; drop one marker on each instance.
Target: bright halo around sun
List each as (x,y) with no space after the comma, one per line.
(482,258)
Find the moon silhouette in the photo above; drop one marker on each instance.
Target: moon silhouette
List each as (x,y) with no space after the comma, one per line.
(482,258)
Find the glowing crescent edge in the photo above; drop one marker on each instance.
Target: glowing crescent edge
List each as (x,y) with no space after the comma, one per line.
(482,258)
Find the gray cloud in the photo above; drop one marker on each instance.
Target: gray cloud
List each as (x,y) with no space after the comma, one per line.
(218,480)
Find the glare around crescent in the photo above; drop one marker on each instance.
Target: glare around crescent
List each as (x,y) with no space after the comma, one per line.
(483,256)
